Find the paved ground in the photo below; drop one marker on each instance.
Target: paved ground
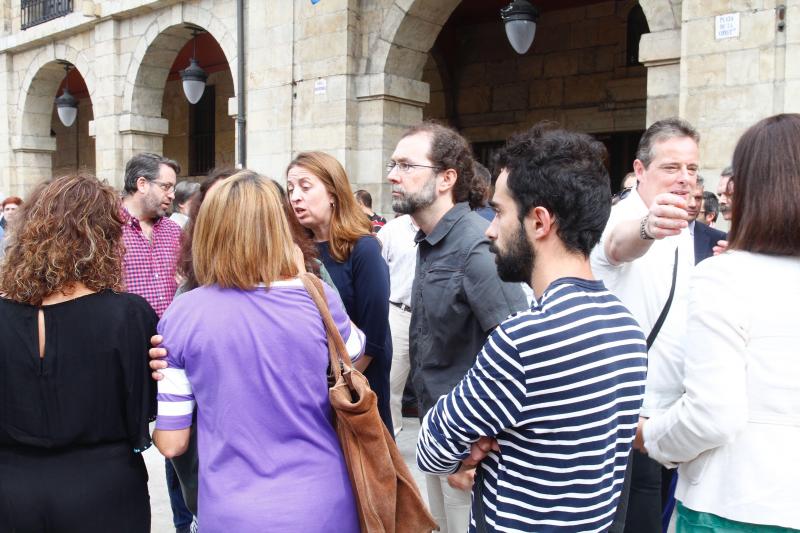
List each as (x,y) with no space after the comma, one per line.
(159,501)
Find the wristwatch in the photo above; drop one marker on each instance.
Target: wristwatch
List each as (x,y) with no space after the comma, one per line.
(643,229)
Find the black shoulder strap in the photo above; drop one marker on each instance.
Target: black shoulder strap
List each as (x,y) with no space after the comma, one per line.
(478,513)
(663,316)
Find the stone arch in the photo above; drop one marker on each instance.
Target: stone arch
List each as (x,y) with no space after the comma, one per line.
(406,36)
(662,14)
(156,50)
(39,86)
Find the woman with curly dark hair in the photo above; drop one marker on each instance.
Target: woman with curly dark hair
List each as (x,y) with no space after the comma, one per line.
(76,394)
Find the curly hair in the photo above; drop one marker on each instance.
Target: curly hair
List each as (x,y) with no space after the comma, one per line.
(563,172)
(450,150)
(69,231)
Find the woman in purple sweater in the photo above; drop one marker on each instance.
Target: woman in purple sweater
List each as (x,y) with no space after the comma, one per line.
(249,348)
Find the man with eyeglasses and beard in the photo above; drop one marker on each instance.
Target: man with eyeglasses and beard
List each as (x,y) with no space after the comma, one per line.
(547,412)
(457,299)
(152,245)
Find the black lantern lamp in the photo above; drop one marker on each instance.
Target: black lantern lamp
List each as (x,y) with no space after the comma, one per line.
(194,77)
(66,104)
(520,20)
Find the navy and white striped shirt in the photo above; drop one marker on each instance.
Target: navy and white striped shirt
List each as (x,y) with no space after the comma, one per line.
(559,386)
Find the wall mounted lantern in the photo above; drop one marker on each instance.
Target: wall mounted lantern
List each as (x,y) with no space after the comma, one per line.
(66,104)
(194,77)
(520,20)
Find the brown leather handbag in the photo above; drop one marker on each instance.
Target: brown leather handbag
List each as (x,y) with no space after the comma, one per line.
(387,497)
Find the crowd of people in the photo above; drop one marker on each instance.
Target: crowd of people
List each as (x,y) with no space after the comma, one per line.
(569,351)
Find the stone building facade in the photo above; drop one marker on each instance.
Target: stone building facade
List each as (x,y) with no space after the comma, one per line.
(348,76)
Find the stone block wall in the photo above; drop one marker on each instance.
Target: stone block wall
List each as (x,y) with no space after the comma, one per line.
(728,84)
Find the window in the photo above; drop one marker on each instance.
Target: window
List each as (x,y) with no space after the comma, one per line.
(38,11)
(202,148)
(637,26)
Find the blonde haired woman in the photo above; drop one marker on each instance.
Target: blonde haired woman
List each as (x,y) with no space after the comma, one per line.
(323,202)
(249,348)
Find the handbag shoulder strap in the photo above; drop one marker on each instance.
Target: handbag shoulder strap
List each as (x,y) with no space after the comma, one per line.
(663,316)
(478,512)
(337,350)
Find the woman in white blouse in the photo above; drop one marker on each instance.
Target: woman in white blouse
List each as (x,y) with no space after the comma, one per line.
(735,432)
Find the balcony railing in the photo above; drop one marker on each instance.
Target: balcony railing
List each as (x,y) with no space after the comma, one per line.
(38,11)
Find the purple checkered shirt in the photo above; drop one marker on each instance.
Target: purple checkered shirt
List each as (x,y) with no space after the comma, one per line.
(149,266)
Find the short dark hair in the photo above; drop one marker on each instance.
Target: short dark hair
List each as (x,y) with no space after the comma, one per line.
(183,191)
(146,165)
(765,210)
(727,172)
(711,204)
(364,197)
(449,150)
(661,131)
(563,172)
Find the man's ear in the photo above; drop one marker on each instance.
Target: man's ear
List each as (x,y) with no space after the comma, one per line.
(538,223)
(449,178)
(141,181)
(638,169)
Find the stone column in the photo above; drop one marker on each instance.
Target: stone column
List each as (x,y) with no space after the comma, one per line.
(660,52)
(140,133)
(8,185)
(728,84)
(386,105)
(107,102)
(33,158)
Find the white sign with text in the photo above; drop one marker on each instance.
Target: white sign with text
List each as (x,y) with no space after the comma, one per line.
(726,26)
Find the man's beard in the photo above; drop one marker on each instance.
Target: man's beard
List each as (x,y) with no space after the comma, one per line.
(412,203)
(515,264)
(153,207)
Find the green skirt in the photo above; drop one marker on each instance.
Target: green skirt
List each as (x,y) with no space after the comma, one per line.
(689,521)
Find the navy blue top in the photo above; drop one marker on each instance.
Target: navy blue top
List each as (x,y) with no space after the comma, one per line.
(559,386)
(363,284)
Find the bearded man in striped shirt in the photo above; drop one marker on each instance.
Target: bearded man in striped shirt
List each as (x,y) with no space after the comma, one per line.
(549,410)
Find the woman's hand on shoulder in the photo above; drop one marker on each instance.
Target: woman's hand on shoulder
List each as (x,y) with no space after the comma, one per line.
(158,357)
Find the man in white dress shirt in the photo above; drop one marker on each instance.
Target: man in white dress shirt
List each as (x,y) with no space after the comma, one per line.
(400,253)
(646,237)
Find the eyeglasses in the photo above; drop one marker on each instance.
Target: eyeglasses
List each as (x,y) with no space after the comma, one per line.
(166,187)
(405,168)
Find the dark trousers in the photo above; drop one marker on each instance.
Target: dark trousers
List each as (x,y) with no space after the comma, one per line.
(644,502)
(181,517)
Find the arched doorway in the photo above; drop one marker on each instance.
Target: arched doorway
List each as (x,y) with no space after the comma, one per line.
(43,146)
(578,73)
(158,117)
(201,136)
(75,147)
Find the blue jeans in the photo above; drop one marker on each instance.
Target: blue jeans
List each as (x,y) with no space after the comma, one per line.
(181,517)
